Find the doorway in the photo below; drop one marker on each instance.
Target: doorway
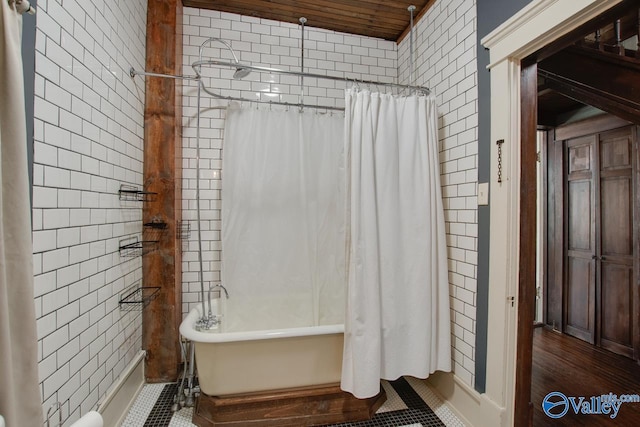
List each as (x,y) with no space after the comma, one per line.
(591,292)
(593,215)
(541,29)
(587,346)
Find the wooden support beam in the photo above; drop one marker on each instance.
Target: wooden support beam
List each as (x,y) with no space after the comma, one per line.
(601,21)
(606,81)
(162,175)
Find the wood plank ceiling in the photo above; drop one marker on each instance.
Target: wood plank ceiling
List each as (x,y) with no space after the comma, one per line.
(385,19)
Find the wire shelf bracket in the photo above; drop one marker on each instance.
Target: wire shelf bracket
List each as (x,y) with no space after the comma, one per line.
(138,298)
(133,193)
(133,247)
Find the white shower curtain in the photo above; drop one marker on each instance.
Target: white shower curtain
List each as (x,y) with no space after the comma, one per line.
(19,392)
(283,219)
(397,319)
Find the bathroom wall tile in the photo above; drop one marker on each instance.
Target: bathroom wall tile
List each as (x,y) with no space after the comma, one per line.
(78,325)
(67,351)
(54,341)
(97,377)
(88,137)
(77,398)
(51,71)
(67,314)
(89,368)
(55,259)
(278,45)
(46,324)
(446,62)
(67,275)
(46,367)
(55,381)
(44,240)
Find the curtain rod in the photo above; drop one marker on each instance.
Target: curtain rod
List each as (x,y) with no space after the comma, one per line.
(133,73)
(262,101)
(197,64)
(240,66)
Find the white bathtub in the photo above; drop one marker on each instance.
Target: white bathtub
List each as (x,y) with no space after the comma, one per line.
(260,360)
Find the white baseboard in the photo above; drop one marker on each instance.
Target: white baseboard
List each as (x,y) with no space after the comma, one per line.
(472,408)
(116,404)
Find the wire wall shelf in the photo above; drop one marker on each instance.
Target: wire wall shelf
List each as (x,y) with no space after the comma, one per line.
(154,229)
(135,194)
(137,299)
(184,230)
(133,247)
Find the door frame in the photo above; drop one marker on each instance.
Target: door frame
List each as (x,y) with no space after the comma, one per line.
(541,27)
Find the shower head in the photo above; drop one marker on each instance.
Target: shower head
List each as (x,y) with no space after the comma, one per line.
(241,73)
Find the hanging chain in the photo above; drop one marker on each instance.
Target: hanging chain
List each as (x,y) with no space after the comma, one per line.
(499,143)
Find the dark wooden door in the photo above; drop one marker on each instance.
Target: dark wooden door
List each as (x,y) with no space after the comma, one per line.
(580,276)
(616,251)
(600,245)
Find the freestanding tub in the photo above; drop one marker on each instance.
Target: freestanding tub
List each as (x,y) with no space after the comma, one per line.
(231,363)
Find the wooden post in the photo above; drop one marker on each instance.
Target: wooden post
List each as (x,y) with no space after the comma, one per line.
(162,174)
(523,412)
(617,25)
(638,32)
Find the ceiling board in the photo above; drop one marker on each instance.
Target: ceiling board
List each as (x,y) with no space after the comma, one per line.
(383,19)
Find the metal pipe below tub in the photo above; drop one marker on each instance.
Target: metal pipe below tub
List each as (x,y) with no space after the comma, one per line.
(190,400)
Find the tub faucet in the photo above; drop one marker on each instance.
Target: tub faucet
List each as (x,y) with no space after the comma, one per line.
(215,320)
(219,285)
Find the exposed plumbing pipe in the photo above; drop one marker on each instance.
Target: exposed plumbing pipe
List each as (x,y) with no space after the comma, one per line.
(206,322)
(55,406)
(303,21)
(178,399)
(411,9)
(202,322)
(190,400)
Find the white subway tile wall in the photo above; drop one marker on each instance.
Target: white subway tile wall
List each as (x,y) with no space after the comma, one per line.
(265,43)
(445,60)
(88,140)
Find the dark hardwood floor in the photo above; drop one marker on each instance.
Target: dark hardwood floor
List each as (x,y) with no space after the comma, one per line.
(575,368)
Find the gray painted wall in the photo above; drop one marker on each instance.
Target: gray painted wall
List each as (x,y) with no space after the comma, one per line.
(491,13)
(29,75)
